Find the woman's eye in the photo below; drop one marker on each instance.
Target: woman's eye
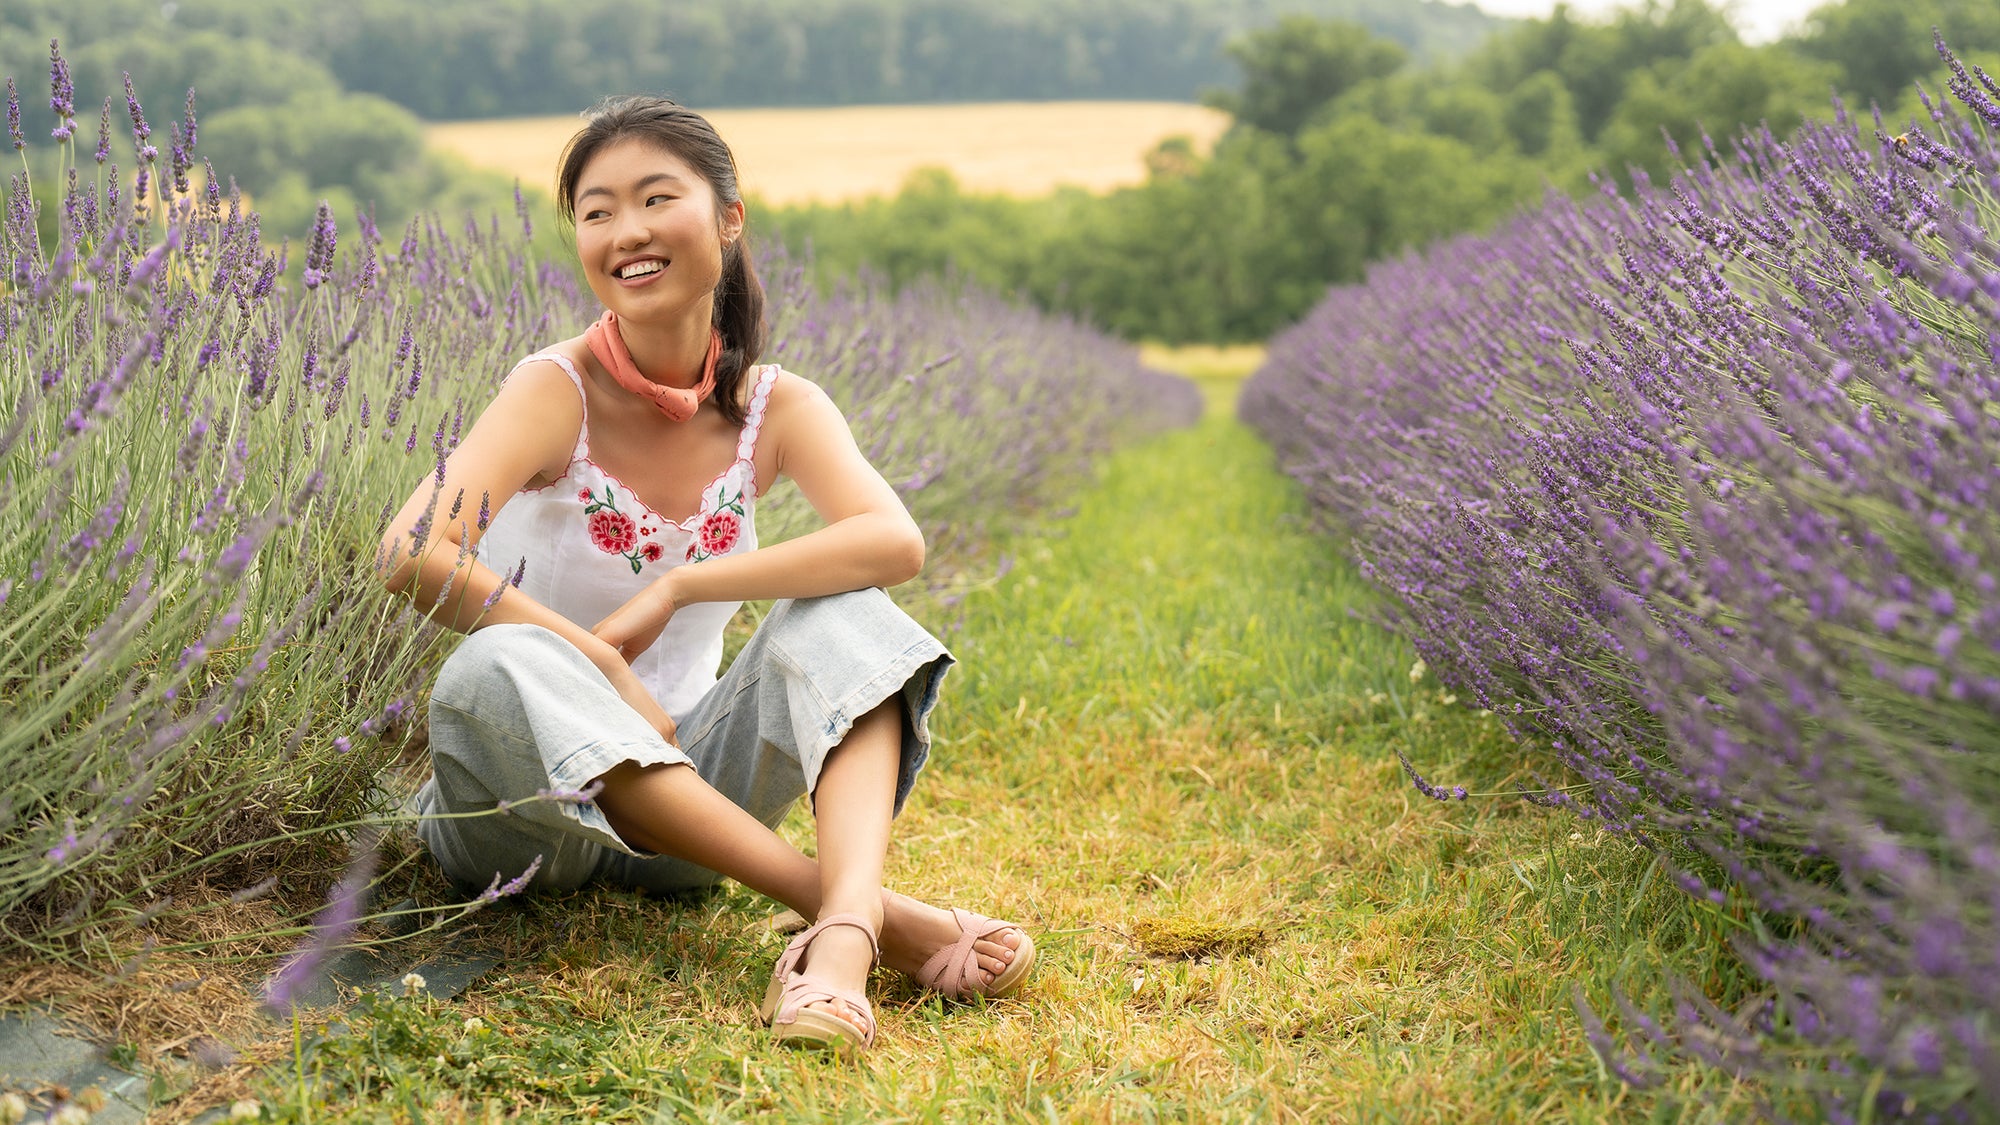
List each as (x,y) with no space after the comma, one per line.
(652,199)
(588,216)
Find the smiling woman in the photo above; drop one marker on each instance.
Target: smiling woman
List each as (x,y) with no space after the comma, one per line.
(592,674)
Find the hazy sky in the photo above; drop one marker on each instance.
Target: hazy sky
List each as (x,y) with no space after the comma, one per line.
(1759,20)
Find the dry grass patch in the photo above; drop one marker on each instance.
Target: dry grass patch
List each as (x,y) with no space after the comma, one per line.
(841,153)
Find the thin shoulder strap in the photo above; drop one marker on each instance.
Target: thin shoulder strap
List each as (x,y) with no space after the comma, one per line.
(576,379)
(746,445)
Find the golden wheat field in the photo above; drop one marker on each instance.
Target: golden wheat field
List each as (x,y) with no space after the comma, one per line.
(839,153)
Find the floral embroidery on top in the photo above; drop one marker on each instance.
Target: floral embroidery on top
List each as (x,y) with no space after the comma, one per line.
(721,528)
(712,531)
(616,533)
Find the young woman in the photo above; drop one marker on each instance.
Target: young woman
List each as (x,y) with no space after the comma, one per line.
(621,470)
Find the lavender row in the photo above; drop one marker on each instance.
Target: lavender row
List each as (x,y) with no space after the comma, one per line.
(203,435)
(1699,489)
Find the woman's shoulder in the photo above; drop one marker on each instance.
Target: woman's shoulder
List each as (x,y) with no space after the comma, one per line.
(540,404)
(551,380)
(789,389)
(563,359)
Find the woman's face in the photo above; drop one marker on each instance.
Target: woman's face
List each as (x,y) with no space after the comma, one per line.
(650,233)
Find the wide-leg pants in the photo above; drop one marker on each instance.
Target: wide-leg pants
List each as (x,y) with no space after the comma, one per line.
(518,714)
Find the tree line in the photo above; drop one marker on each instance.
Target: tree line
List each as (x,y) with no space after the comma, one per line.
(300,102)
(454,59)
(1346,150)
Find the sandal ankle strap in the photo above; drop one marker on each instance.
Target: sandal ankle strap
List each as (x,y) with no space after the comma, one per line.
(858,921)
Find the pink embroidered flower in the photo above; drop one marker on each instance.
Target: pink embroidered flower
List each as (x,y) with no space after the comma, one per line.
(719,532)
(651,552)
(614,533)
(583,494)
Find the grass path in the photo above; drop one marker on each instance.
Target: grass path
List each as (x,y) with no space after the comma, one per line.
(1170,750)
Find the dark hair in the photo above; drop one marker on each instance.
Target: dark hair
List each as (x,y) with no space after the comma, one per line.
(739,297)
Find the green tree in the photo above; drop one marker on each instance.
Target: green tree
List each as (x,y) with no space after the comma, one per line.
(1432,102)
(1595,61)
(225,71)
(1382,191)
(1540,116)
(1881,46)
(1718,92)
(1294,68)
(323,140)
(1210,254)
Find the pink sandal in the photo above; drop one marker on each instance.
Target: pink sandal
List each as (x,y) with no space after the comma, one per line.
(791,990)
(954,970)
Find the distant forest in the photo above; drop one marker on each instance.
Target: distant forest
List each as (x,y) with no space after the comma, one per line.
(451,59)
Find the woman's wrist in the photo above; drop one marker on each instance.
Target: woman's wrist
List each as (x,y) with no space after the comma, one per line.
(670,590)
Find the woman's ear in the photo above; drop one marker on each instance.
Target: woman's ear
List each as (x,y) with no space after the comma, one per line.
(732,222)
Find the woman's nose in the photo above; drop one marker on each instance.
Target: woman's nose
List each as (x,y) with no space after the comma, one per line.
(629,229)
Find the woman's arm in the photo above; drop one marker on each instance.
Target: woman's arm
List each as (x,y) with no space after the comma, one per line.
(426,550)
(869,538)
(528,431)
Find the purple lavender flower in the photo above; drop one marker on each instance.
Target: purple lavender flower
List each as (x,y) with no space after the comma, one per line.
(566,796)
(496,890)
(319,253)
(331,927)
(188,122)
(62,94)
(67,847)
(14,117)
(140,132)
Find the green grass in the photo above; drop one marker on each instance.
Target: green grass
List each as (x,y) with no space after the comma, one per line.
(1173,730)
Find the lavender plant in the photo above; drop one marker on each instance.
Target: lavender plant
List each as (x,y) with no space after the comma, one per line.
(1697,489)
(202,686)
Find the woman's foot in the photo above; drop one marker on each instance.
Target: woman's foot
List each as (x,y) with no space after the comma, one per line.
(913,933)
(817,995)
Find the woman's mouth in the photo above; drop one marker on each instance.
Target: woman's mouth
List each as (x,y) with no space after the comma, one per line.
(641,270)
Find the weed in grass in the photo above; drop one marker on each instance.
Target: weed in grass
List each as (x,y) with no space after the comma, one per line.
(1187,937)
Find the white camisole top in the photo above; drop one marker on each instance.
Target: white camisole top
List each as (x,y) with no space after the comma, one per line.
(585,544)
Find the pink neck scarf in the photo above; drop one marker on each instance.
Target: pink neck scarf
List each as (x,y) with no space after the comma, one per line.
(678,403)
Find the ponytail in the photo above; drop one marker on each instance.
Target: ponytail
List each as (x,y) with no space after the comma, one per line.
(739,316)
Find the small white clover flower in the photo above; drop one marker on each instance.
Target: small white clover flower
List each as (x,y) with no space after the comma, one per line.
(248,1109)
(474,1024)
(1447,699)
(13,1108)
(413,983)
(70,1115)
(1418,669)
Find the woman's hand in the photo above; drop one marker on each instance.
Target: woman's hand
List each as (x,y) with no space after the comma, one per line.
(633,627)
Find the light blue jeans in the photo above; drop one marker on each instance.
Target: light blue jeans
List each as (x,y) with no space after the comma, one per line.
(517,711)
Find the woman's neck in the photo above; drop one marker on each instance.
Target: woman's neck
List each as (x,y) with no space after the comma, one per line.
(670,353)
